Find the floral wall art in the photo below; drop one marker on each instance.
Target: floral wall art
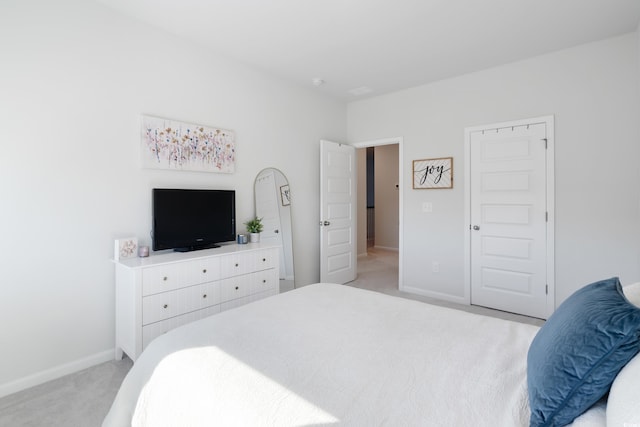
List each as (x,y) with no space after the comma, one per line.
(169,144)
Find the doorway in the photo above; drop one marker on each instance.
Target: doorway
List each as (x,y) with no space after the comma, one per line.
(379,212)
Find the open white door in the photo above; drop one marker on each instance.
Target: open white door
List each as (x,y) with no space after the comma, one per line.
(337,212)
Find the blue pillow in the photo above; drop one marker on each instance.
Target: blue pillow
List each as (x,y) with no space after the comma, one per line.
(578,352)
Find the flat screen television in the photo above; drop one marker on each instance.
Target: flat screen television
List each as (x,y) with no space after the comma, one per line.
(186,220)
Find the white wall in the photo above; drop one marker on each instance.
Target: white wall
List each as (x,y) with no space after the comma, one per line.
(74,80)
(593,92)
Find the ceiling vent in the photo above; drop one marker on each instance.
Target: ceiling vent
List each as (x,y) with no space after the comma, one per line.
(360,91)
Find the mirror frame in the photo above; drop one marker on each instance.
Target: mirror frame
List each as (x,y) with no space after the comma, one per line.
(283,199)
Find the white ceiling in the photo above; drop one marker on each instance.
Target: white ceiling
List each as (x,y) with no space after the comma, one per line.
(384,45)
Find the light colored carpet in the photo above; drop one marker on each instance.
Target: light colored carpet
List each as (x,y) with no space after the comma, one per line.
(84,398)
(378,271)
(77,400)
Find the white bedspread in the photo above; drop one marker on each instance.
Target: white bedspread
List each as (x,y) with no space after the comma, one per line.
(329,354)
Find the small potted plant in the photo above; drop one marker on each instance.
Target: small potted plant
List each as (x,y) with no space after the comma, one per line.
(254,227)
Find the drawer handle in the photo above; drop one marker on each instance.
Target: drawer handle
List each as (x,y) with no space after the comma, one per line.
(165,278)
(264,280)
(204,296)
(237,287)
(204,271)
(166,305)
(264,259)
(237,264)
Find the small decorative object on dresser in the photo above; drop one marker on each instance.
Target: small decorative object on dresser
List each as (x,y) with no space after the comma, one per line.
(143,251)
(254,227)
(125,248)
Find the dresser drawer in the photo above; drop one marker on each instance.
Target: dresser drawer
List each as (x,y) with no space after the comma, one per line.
(161,278)
(263,281)
(197,297)
(265,259)
(154,330)
(248,284)
(200,271)
(237,264)
(159,307)
(235,287)
(234,265)
(228,305)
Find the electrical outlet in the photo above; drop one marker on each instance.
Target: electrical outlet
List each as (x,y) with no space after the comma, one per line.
(435,267)
(427,207)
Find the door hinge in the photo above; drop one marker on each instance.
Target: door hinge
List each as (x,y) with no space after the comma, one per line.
(546,289)
(546,217)
(546,145)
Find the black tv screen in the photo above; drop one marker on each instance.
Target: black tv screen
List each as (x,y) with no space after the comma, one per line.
(186,220)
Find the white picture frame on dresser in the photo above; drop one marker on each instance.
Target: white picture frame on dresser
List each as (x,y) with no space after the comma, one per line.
(125,248)
(169,289)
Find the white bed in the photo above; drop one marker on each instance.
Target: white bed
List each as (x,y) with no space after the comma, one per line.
(328,354)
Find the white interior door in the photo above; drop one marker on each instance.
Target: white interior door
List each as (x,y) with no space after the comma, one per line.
(337,212)
(509,219)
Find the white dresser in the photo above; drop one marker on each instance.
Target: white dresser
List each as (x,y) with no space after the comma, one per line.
(169,289)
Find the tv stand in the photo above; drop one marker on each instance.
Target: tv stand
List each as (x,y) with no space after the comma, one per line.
(196,247)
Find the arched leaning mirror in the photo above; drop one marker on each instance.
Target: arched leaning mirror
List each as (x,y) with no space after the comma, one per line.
(273,205)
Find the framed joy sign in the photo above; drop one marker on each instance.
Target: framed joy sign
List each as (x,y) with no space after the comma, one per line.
(433,173)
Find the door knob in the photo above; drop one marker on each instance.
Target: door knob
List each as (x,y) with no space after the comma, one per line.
(326,223)
(476,227)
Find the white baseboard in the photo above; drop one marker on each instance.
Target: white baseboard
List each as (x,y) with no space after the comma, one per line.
(55,372)
(435,295)
(386,248)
